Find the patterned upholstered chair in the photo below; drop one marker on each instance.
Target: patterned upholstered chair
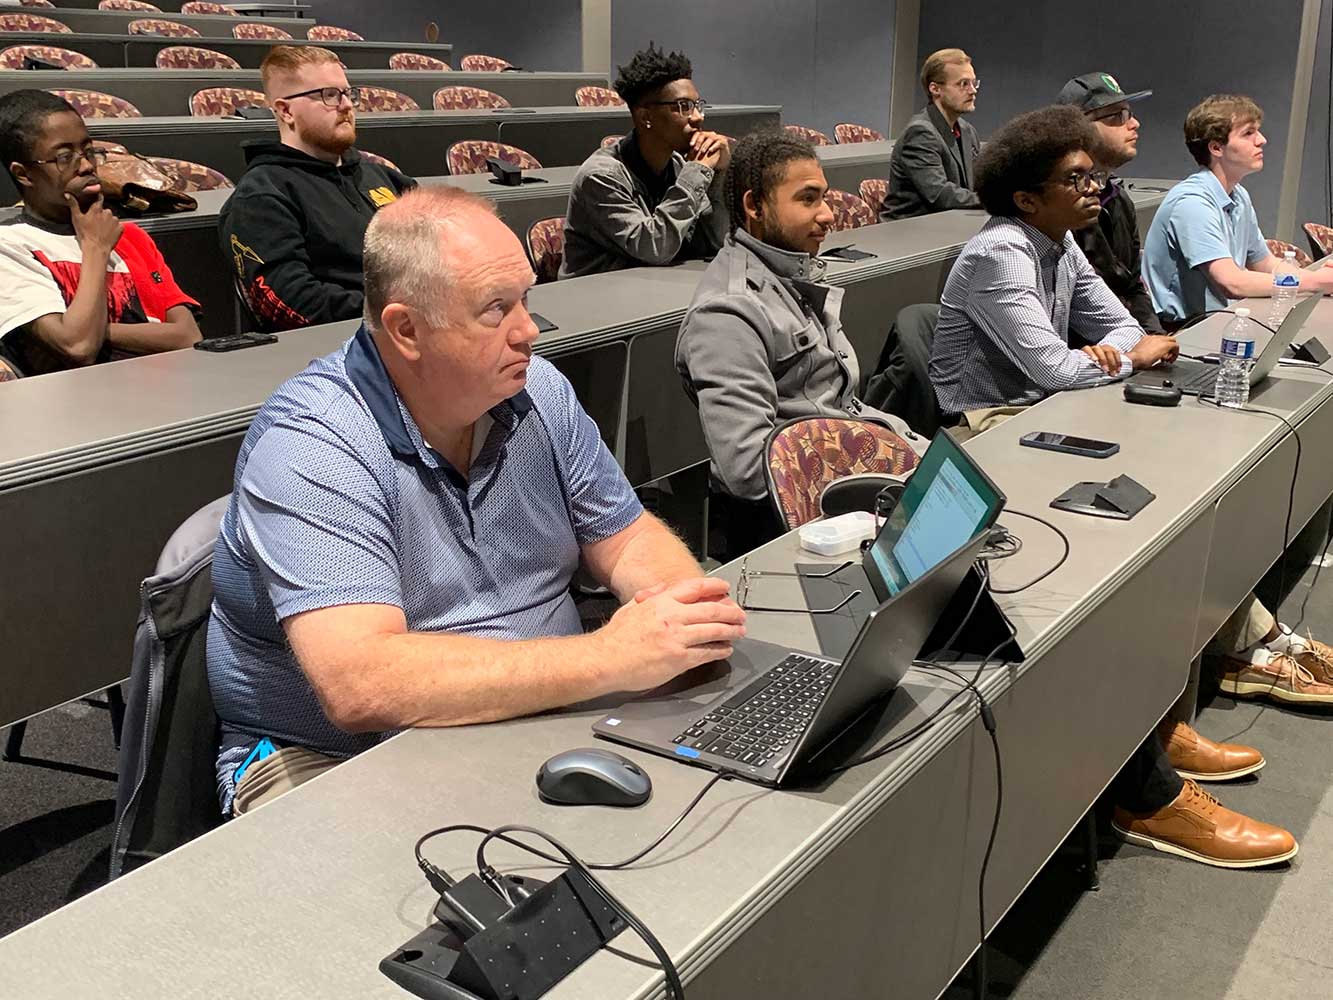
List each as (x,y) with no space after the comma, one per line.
(609,140)
(483,64)
(546,248)
(95,104)
(12,57)
(462,98)
(193,57)
(207,7)
(384,99)
(383,161)
(36,3)
(808,453)
(1278,247)
(849,211)
(597,97)
(415,60)
(22,21)
(849,132)
(810,135)
(134,5)
(468,156)
(224,101)
(332,33)
(263,32)
(1320,237)
(188,176)
(873,192)
(158,26)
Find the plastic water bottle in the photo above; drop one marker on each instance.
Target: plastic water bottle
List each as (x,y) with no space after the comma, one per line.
(1286,283)
(1235,361)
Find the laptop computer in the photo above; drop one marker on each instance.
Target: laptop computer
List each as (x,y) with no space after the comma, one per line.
(1198,378)
(768,709)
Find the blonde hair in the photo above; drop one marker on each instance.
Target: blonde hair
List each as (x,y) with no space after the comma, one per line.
(289,60)
(932,70)
(1213,118)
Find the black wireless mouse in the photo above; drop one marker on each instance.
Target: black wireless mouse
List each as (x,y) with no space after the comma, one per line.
(590,777)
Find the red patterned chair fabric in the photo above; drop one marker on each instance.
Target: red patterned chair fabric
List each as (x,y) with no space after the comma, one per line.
(460,98)
(384,99)
(810,135)
(264,32)
(332,33)
(851,132)
(224,100)
(193,57)
(207,7)
(134,5)
(19,21)
(36,3)
(12,57)
(1278,247)
(469,156)
(610,140)
(873,192)
(1321,238)
(95,104)
(849,211)
(158,26)
(546,247)
(383,161)
(597,97)
(415,60)
(806,454)
(483,64)
(187,176)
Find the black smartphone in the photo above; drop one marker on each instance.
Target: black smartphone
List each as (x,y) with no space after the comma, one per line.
(845,253)
(1090,447)
(234,342)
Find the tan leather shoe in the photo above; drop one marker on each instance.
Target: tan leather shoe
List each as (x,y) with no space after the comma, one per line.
(1276,677)
(1195,756)
(1198,827)
(1317,658)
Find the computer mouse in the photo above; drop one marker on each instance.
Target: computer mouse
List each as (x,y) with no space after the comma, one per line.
(593,777)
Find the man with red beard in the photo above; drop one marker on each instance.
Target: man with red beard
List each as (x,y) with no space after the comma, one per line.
(295,224)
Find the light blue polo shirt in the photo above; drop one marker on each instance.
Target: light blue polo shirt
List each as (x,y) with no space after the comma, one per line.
(338,500)
(1196,223)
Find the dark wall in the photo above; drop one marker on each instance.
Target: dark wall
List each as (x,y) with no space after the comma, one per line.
(1182,50)
(1314,202)
(534,34)
(824,61)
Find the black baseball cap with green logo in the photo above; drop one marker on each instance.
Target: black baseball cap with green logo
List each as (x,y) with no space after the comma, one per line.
(1093,91)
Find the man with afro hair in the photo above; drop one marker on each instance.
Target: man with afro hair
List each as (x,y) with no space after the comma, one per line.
(654,197)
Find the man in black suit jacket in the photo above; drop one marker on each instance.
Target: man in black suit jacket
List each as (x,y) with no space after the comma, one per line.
(931,168)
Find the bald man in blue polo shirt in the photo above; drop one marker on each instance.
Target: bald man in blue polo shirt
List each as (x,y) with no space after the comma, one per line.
(408,513)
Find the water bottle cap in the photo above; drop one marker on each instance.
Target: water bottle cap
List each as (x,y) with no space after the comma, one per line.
(1242,313)
(1289,254)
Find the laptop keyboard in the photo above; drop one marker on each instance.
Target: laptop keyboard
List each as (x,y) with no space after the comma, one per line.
(763,719)
(1198,377)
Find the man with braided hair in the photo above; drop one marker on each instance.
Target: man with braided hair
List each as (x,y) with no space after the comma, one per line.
(655,197)
(762,341)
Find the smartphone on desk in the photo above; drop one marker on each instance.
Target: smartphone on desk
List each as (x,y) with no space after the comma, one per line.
(845,253)
(1050,441)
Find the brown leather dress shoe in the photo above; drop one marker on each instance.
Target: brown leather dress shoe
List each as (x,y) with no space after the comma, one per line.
(1198,827)
(1195,756)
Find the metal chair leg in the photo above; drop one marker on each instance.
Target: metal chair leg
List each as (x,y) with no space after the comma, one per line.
(14,741)
(116,702)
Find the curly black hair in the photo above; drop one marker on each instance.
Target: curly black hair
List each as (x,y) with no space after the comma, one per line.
(649,71)
(21,115)
(758,164)
(1023,153)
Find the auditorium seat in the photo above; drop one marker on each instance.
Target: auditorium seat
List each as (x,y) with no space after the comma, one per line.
(1278,247)
(188,176)
(383,161)
(224,100)
(462,98)
(415,60)
(384,99)
(263,32)
(1321,238)
(483,64)
(95,104)
(849,211)
(12,57)
(609,140)
(159,26)
(873,192)
(597,97)
(546,248)
(468,156)
(850,132)
(332,33)
(22,21)
(133,5)
(810,135)
(207,7)
(36,3)
(193,57)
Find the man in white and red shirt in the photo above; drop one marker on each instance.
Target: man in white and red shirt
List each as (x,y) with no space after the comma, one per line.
(80,286)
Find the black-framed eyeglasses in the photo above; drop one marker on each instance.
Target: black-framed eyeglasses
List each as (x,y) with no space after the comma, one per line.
(747,576)
(331,96)
(1119,117)
(66,158)
(1085,181)
(684,106)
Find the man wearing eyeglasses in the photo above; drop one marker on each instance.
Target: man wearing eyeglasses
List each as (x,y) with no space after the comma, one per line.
(293,228)
(655,197)
(931,167)
(79,286)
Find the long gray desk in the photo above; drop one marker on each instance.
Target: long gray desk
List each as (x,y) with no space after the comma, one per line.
(112,22)
(836,889)
(847,165)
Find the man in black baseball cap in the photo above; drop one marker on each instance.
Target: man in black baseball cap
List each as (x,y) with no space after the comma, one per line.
(1112,245)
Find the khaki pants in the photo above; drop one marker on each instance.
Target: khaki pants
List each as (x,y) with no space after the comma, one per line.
(1246,627)
(974,422)
(280,772)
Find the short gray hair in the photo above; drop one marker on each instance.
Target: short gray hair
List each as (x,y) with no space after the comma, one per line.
(403,259)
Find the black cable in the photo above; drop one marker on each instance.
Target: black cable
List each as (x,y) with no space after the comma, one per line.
(1060,562)
(1191,320)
